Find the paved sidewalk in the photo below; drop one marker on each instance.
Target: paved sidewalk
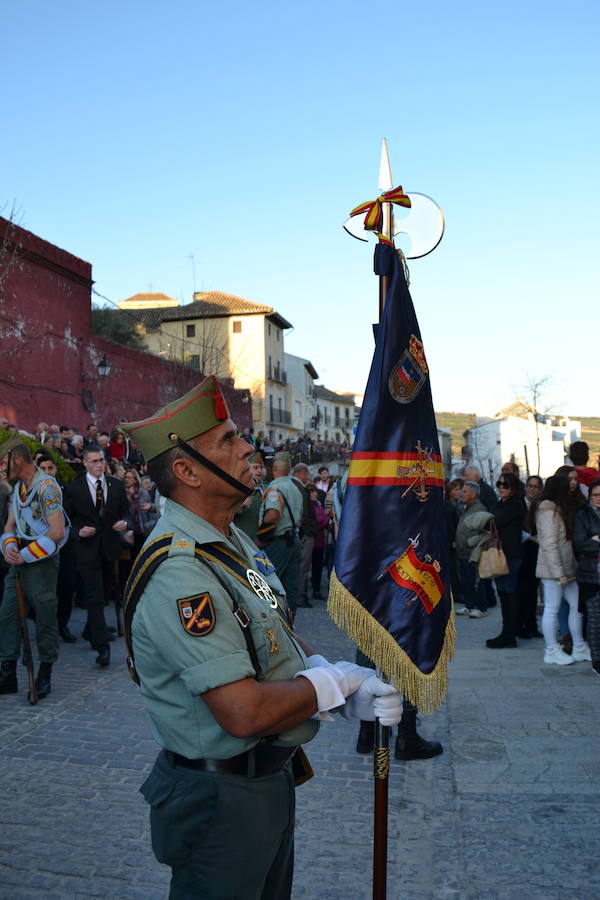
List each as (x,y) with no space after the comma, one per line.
(509,810)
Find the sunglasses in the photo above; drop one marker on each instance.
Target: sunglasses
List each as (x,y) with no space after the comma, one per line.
(503,484)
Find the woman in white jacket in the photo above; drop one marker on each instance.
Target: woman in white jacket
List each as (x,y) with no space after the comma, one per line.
(557,568)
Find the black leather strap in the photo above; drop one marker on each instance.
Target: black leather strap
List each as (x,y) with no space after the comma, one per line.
(216,470)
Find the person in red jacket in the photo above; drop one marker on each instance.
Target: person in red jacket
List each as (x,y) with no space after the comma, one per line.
(117,449)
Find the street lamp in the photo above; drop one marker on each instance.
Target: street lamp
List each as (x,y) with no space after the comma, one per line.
(103,367)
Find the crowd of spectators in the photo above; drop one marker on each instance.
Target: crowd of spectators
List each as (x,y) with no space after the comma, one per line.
(550,537)
(549,532)
(303,449)
(125,462)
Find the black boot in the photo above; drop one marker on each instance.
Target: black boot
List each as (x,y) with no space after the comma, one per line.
(506,638)
(409,744)
(8,677)
(103,658)
(67,635)
(42,682)
(366,737)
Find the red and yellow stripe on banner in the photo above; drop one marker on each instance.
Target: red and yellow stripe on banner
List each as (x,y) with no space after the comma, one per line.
(395,468)
(423,578)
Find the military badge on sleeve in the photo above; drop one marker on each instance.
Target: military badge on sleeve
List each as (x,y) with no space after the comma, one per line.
(263,563)
(197,614)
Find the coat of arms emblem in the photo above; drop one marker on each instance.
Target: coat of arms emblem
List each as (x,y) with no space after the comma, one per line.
(410,372)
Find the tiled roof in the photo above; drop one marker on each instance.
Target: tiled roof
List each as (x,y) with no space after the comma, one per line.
(148,298)
(212,304)
(324,393)
(216,303)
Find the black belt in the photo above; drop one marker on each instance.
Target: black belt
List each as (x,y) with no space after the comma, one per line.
(264,759)
(284,536)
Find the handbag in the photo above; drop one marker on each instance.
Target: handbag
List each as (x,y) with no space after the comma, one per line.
(492,561)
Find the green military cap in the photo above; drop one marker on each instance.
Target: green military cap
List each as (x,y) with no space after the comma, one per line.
(256,458)
(9,445)
(198,411)
(283,456)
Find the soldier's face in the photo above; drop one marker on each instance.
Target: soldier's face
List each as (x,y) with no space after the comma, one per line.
(14,468)
(256,469)
(223,446)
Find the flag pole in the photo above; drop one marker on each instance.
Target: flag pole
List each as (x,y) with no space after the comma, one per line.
(381,754)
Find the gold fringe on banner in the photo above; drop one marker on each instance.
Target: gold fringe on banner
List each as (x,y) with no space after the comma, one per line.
(426,692)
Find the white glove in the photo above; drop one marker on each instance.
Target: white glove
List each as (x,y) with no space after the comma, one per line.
(374,699)
(333,683)
(316,661)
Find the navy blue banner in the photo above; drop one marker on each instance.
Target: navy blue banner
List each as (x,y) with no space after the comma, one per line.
(391,583)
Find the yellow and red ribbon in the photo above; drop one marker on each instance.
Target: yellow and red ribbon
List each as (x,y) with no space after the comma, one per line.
(374,208)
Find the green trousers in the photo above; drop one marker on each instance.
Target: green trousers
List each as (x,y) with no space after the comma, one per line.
(39,585)
(288,563)
(225,837)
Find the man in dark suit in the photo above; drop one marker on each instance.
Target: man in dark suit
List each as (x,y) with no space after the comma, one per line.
(98,510)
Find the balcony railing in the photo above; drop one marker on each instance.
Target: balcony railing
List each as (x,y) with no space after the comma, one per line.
(281,416)
(278,375)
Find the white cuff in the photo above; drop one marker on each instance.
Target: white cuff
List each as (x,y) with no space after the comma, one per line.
(326,686)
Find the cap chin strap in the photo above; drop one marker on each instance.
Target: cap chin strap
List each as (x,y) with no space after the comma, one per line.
(212,467)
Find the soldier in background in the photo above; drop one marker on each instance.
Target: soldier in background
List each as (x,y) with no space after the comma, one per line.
(246,516)
(279,522)
(309,529)
(33,534)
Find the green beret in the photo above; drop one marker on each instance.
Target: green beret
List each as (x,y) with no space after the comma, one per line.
(256,458)
(9,445)
(283,456)
(198,411)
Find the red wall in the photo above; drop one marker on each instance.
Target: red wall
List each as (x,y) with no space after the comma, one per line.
(49,357)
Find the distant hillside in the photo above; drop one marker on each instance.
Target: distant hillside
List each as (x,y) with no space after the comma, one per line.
(459,422)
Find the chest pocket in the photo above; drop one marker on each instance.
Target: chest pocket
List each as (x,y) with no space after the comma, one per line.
(264,626)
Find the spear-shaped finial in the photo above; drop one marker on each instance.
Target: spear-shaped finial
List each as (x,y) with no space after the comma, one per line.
(385,184)
(385,171)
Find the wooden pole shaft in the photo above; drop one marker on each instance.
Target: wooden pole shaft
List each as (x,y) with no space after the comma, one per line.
(25,641)
(381,771)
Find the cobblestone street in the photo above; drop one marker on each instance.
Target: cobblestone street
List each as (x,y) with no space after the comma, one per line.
(509,810)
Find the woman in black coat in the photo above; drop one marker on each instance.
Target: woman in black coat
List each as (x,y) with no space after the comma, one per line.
(509,513)
(586,543)
(528,584)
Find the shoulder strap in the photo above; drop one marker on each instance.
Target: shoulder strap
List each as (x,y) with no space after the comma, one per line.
(142,570)
(152,555)
(289,510)
(233,564)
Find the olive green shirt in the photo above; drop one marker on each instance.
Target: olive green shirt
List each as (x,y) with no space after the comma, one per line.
(273,499)
(176,667)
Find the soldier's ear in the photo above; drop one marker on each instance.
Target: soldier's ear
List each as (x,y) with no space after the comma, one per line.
(187,471)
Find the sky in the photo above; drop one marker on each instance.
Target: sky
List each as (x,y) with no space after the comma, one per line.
(137,135)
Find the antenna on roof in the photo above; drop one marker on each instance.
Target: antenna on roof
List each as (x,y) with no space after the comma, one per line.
(193,259)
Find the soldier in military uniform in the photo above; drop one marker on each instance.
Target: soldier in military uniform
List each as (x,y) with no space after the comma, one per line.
(231,691)
(279,522)
(33,535)
(246,516)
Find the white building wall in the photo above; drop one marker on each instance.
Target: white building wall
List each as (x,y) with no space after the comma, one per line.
(496,442)
(302,383)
